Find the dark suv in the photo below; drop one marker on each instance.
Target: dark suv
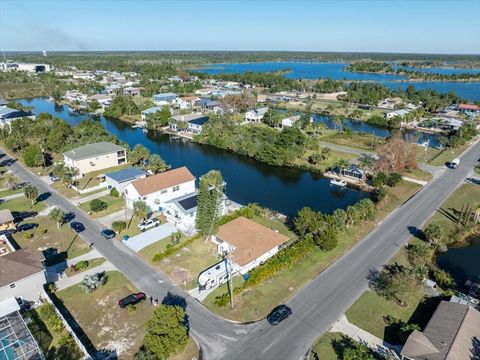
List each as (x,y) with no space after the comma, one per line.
(132,299)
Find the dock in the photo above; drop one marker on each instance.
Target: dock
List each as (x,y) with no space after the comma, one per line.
(355,183)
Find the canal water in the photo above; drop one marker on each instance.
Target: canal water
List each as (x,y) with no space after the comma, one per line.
(312,70)
(248,181)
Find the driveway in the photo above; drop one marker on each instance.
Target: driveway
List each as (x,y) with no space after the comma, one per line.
(138,242)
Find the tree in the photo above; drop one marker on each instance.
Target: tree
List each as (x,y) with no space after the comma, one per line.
(272,118)
(209,202)
(419,253)
(97,205)
(396,283)
(57,215)
(396,156)
(159,119)
(114,192)
(32,155)
(156,163)
(139,154)
(31,193)
(140,209)
(303,221)
(166,332)
(10,181)
(93,106)
(182,125)
(119,226)
(434,233)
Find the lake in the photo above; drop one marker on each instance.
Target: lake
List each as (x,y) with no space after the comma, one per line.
(248,181)
(312,70)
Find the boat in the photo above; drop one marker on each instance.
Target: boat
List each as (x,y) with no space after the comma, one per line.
(338,182)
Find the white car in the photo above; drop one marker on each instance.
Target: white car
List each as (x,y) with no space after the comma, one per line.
(149,223)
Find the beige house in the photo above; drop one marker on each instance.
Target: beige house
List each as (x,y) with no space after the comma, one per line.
(6,220)
(93,157)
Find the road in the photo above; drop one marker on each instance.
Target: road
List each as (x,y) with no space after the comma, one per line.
(315,307)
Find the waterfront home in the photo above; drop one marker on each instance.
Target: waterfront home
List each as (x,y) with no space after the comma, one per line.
(8,115)
(164,98)
(353,172)
(290,121)
(144,113)
(212,106)
(75,95)
(94,157)
(452,333)
(397,113)
(469,109)
(186,102)
(6,220)
(131,91)
(103,99)
(158,189)
(121,178)
(255,115)
(195,122)
(22,275)
(390,103)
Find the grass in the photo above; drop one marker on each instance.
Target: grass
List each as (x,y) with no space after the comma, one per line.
(333,158)
(103,321)
(149,251)
(91,179)
(114,204)
(190,352)
(22,204)
(418,174)
(70,193)
(323,348)
(91,264)
(256,303)
(356,140)
(438,157)
(21,90)
(4,193)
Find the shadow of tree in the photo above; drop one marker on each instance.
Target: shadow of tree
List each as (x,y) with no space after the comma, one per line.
(475,350)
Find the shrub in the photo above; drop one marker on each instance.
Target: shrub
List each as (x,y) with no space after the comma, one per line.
(81,265)
(97,205)
(394,179)
(378,194)
(65,338)
(131,308)
(43,231)
(114,192)
(379,180)
(90,283)
(119,226)
(47,312)
(28,236)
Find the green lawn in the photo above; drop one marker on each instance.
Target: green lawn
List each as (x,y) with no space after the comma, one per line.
(255,303)
(21,204)
(333,158)
(91,264)
(4,193)
(356,140)
(418,174)
(114,204)
(324,347)
(440,157)
(157,247)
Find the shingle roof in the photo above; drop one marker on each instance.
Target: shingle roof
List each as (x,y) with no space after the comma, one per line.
(5,216)
(162,181)
(19,265)
(250,239)
(187,204)
(190,117)
(92,150)
(127,174)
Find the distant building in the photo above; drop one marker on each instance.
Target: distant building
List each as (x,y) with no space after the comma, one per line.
(131,91)
(290,121)
(397,113)
(121,178)
(186,102)
(144,113)
(255,115)
(97,156)
(195,122)
(164,98)
(212,106)
(28,67)
(390,103)
(469,108)
(8,115)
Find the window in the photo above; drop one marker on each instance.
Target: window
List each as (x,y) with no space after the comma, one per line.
(126,192)
(121,161)
(12,286)
(176,188)
(163,191)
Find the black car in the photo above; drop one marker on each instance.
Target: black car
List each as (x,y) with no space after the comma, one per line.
(132,299)
(22,215)
(25,227)
(107,233)
(280,313)
(77,227)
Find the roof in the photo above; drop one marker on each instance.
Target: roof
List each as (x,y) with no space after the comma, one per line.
(91,150)
(162,181)
(7,112)
(5,216)
(3,102)
(250,239)
(8,306)
(469,107)
(187,204)
(18,265)
(189,117)
(449,335)
(260,111)
(168,94)
(199,121)
(127,174)
(152,110)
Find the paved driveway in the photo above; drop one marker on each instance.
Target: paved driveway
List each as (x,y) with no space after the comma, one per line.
(138,242)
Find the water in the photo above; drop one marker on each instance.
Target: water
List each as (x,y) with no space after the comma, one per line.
(311,70)
(278,188)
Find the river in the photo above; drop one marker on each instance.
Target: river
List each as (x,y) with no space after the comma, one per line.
(313,70)
(248,181)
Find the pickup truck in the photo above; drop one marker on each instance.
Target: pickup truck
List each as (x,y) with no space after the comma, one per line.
(147,224)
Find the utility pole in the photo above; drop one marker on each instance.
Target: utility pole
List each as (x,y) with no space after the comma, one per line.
(228,265)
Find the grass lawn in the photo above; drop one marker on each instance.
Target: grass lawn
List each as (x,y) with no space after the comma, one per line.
(190,352)
(21,90)
(92,179)
(324,349)
(91,264)
(22,204)
(63,239)
(5,192)
(333,158)
(418,174)
(70,193)
(103,321)
(256,303)
(438,157)
(149,251)
(356,140)
(114,204)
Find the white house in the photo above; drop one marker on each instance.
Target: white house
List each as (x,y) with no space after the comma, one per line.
(390,103)
(148,111)
(255,115)
(7,115)
(28,67)
(289,121)
(400,113)
(121,178)
(158,189)
(164,98)
(186,102)
(75,95)
(195,122)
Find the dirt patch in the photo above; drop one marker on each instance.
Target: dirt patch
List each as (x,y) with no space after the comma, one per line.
(181,275)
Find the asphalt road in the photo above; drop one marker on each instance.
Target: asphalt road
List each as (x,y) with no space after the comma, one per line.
(315,307)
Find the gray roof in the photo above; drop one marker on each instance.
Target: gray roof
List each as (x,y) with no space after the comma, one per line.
(189,117)
(187,203)
(18,265)
(92,150)
(6,112)
(127,174)
(5,216)
(151,110)
(168,94)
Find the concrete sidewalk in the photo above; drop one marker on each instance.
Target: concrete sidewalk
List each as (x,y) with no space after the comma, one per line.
(107,220)
(416,181)
(13,196)
(66,282)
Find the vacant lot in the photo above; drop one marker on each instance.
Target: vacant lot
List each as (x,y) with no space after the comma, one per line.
(114,204)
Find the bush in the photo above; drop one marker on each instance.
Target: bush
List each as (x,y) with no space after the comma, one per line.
(119,226)
(43,231)
(97,205)
(47,312)
(394,179)
(114,192)
(32,156)
(28,236)
(131,308)
(81,265)
(379,180)
(378,195)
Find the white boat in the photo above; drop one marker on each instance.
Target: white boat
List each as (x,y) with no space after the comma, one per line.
(337,182)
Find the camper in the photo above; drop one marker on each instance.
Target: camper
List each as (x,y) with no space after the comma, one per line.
(454,163)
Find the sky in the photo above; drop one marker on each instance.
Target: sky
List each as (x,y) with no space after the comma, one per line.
(416,26)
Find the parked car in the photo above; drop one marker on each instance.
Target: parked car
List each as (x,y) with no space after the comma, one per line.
(53,177)
(278,314)
(22,215)
(149,223)
(77,227)
(108,234)
(27,226)
(132,299)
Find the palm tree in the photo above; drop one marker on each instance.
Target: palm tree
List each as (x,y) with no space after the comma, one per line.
(11,182)
(140,209)
(31,193)
(57,215)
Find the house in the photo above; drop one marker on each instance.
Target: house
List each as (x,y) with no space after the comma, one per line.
(8,115)
(289,121)
(353,172)
(158,189)
(84,76)
(97,156)
(75,95)
(255,115)
(112,89)
(22,276)
(17,341)
(400,113)
(469,109)
(144,114)
(195,122)
(6,220)
(103,99)
(390,103)
(131,91)
(453,333)
(211,106)
(28,67)
(121,178)
(250,243)
(186,102)
(164,98)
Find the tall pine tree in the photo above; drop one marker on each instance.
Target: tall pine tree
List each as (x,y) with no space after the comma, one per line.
(209,202)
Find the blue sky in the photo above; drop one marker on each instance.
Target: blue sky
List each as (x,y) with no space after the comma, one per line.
(433,26)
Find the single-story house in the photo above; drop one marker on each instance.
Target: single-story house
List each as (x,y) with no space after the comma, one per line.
(158,189)
(97,156)
(289,121)
(195,122)
(131,91)
(400,113)
(8,115)
(121,178)
(6,220)
(255,115)
(112,89)
(164,98)
(453,333)
(22,275)
(250,243)
(148,111)
(469,108)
